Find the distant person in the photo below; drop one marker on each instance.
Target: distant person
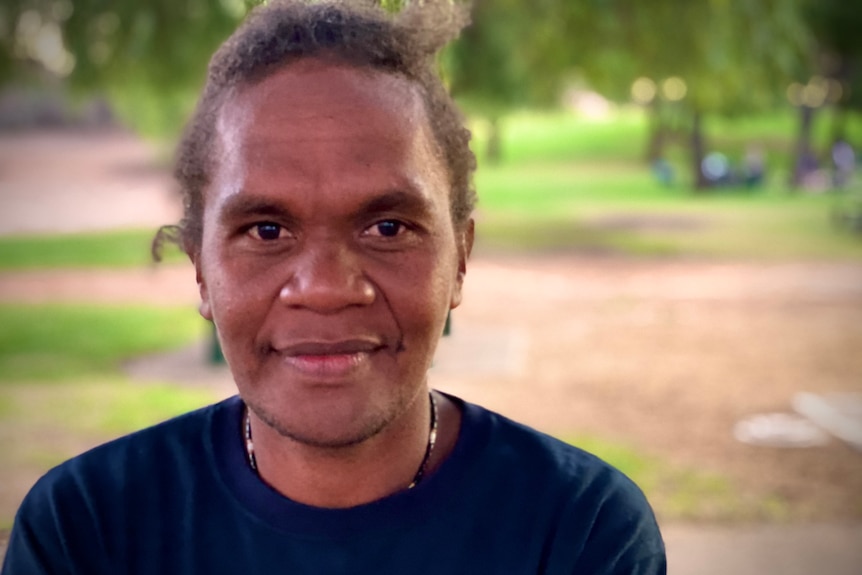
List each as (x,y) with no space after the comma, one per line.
(808,173)
(327,184)
(716,169)
(844,163)
(753,167)
(663,172)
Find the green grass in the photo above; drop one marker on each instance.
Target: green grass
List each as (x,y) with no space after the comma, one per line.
(103,405)
(56,342)
(680,493)
(560,137)
(763,227)
(563,179)
(120,248)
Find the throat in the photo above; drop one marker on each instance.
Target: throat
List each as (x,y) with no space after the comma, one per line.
(328,476)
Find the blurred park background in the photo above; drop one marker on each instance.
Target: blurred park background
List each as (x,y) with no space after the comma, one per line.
(669,237)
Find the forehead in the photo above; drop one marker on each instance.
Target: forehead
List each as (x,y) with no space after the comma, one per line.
(314,101)
(319,125)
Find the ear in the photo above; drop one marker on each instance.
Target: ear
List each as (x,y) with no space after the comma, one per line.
(204,307)
(464,239)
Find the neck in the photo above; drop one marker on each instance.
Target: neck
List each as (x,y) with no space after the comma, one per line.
(346,476)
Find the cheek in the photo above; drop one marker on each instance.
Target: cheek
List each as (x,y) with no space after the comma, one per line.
(419,294)
(238,298)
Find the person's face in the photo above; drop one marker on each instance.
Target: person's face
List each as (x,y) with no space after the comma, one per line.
(329,258)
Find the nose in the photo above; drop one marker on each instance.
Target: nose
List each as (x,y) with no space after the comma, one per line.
(327,278)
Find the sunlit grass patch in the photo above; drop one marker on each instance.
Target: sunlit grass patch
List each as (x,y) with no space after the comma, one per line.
(530,136)
(118,248)
(584,207)
(99,407)
(56,342)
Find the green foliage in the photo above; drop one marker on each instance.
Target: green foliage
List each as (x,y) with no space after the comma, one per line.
(733,55)
(57,342)
(121,248)
(835,25)
(507,57)
(148,57)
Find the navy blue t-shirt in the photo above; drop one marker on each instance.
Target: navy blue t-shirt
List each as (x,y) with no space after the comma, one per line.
(180,498)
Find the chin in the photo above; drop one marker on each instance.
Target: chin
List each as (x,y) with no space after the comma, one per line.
(331,428)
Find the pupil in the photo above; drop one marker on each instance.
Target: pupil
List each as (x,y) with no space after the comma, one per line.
(268,231)
(388,229)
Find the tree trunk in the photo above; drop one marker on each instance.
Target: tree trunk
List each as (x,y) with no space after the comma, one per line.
(494,151)
(657,134)
(698,153)
(805,162)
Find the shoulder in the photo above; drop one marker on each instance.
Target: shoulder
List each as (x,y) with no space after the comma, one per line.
(70,514)
(510,443)
(593,512)
(142,456)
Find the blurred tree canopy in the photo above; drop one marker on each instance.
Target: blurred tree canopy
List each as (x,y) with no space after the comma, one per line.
(681,59)
(691,57)
(698,56)
(510,56)
(148,57)
(837,29)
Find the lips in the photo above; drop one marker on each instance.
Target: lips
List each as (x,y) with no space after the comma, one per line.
(322,348)
(324,359)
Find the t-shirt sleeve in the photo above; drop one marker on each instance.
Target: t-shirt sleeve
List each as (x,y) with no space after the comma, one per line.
(653,565)
(53,521)
(35,545)
(608,529)
(625,537)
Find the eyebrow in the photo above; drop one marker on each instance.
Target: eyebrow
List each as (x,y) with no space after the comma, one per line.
(242,206)
(412,202)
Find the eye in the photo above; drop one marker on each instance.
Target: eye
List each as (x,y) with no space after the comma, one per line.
(266,231)
(386,228)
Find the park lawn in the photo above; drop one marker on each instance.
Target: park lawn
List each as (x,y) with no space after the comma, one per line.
(558,136)
(569,184)
(614,208)
(58,342)
(115,248)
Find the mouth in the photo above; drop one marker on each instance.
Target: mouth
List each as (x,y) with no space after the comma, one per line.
(328,359)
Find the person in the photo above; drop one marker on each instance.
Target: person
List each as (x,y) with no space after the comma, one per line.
(328,198)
